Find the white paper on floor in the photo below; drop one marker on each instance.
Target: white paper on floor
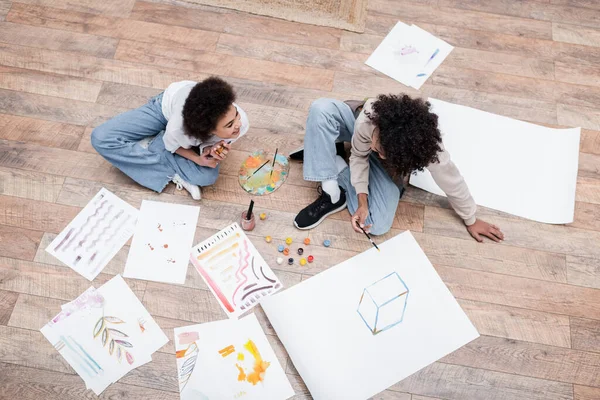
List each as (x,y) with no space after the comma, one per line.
(509,165)
(232,359)
(234,270)
(409,55)
(104,334)
(162,241)
(357,328)
(96,234)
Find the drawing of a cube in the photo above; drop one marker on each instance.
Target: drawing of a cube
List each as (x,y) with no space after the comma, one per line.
(382,304)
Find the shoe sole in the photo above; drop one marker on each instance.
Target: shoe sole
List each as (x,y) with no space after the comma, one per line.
(340,208)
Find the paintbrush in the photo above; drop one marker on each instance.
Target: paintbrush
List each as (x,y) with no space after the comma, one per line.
(249,212)
(368,236)
(273,166)
(258,169)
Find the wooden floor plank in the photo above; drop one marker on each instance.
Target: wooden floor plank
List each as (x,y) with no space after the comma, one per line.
(30,81)
(535,360)
(7,304)
(521,292)
(586,393)
(590,141)
(35,215)
(583,271)
(215,63)
(40,132)
(33,312)
(520,233)
(237,24)
(575,34)
(30,185)
(118,8)
(415,12)
(119,28)
(587,216)
(52,39)
(4,7)
(531,9)
(585,334)
(455,382)
(586,117)
(31,384)
(18,242)
(509,260)
(518,324)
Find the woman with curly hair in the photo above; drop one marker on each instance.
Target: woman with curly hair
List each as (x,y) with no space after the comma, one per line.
(190,126)
(391,136)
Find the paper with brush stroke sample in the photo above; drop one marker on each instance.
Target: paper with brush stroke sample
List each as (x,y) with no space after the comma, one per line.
(409,55)
(235,361)
(512,166)
(105,333)
(234,270)
(357,328)
(96,234)
(162,241)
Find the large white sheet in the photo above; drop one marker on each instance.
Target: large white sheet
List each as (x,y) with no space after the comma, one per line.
(332,344)
(509,165)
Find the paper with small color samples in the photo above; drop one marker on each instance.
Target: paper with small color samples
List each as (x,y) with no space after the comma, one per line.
(96,234)
(161,245)
(357,328)
(409,55)
(512,166)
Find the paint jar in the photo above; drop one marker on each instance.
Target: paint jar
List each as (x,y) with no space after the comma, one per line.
(247,224)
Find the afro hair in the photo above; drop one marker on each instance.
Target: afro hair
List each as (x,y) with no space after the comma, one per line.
(206,104)
(408,133)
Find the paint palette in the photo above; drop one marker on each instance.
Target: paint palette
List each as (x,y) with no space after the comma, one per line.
(263,181)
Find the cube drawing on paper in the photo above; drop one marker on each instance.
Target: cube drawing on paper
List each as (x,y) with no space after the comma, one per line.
(382,304)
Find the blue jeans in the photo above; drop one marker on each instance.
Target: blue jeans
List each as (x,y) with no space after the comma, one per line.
(117,140)
(330,121)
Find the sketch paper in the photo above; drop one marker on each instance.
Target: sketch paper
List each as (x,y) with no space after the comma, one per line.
(234,270)
(409,55)
(237,361)
(104,334)
(357,328)
(509,165)
(96,234)
(161,245)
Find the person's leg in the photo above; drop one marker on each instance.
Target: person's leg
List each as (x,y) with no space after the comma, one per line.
(328,121)
(384,195)
(117,141)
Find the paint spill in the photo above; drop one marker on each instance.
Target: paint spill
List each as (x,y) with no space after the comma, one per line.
(227,351)
(159,227)
(166,246)
(149,245)
(242,374)
(240,357)
(260,366)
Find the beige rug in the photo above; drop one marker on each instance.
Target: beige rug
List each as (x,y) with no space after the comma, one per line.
(344,14)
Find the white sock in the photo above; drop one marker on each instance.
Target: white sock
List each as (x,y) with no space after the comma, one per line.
(340,163)
(332,188)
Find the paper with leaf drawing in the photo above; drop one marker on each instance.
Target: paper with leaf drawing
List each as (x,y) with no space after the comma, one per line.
(104,334)
(236,361)
(96,234)
(513,166)
(409,55)
(357,328)
(234,270)
(161,245)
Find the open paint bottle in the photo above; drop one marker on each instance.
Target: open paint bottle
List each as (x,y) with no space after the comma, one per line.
(247,222)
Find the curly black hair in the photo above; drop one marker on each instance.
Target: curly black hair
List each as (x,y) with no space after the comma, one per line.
(207,102)
(408,133)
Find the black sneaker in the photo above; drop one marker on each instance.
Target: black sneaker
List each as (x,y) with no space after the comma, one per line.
(313,214)
(298,154)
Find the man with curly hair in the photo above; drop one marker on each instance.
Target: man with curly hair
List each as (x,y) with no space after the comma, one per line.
(391,136)
(180,135)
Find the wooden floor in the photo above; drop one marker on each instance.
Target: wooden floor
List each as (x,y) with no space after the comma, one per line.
(68,65)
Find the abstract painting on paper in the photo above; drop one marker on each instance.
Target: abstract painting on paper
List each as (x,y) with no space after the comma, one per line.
(390,308)
(161,245)
(234,270)
(96,234)
(235,360)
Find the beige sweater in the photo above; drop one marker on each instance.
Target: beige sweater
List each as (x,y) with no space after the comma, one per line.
(444,173)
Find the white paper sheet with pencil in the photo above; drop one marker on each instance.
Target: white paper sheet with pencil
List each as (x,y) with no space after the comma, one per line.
(234,270)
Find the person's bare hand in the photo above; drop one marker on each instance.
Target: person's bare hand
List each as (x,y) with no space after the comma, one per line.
(359,218)
(481,228)
(206,159)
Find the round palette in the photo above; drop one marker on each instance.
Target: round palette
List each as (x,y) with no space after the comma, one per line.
(263,182)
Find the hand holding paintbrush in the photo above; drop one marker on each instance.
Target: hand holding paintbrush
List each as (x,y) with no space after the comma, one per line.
(367,235)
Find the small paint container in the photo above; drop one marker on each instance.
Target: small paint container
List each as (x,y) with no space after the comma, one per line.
(280,248)
(286,251)
(300,251)
(247,224)
(303,261)
(288,241)
(262,216)
(327,243)
(307,241)
(279,260)
(311,259)
(290,261)
(268,239)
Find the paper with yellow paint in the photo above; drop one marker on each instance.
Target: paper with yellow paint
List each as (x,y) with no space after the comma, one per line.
(236,361)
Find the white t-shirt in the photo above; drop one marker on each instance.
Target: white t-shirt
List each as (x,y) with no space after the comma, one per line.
(172,107)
